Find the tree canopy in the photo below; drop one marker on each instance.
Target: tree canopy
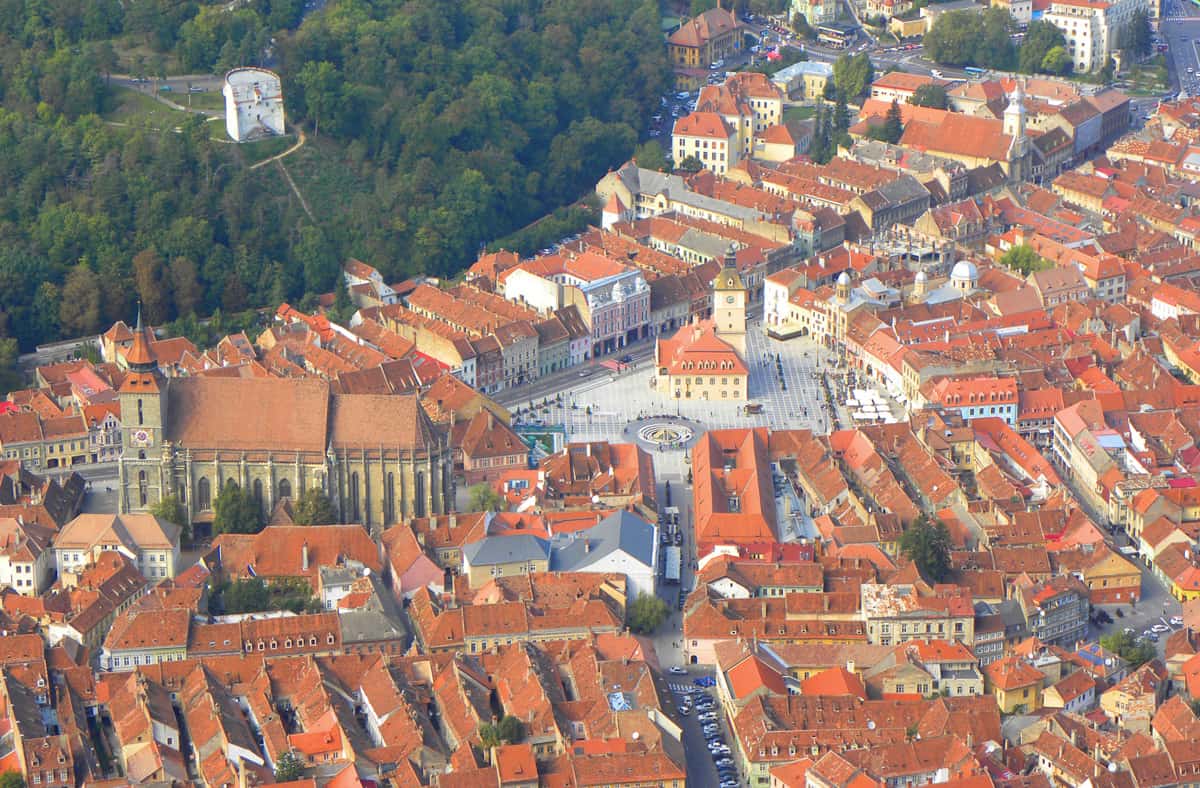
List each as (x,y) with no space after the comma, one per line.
(1136,37)
(1040,38)
(928,546)
(170,509)
(930,96)
(254,595)
(852,74)
(236,512)
(12,779)
(968,38)
(1024,260)
(482,498)
(433,128)
(507,730)
(288,768)
(1130,648)
(313,507)
(646,613)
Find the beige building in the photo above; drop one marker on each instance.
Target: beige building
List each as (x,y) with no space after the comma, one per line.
(510,555)
(897,614)
(727,119)
(709,139)
(1093,28)
(152,544)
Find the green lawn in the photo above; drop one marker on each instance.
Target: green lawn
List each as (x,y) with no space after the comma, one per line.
(139,109)
(209,99)
(799,113)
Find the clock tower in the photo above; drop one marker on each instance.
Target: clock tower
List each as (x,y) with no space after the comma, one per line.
(729,304)
(143,401)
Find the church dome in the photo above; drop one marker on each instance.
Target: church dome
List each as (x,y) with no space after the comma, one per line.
(965,270)
(922,278)
(843,278)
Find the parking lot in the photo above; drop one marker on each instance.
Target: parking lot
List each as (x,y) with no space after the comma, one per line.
(701,761)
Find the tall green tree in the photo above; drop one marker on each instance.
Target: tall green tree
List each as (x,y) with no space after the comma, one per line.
(313,508)
(930,96)
(968,38)
(1056,61)
(1136,37)
(646,613)
(507,730)
(322,85)
(482,498)
(12,780)
(1040,38)
(893,123)
(79,313)
(651,156)
(852,74)
(185,285)
(170,509)
(288,768)
(1130,648)
(236,512)
(928,546)
(151,290)
(1024,260)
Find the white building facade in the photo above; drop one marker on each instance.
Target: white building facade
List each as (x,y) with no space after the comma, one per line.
(253,104)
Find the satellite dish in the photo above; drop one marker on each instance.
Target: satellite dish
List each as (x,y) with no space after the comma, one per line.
(870,725)
(636,735)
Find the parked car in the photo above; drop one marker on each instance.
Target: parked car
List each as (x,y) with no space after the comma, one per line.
(1160,628)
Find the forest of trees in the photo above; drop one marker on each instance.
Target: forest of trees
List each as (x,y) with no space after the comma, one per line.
(465,121)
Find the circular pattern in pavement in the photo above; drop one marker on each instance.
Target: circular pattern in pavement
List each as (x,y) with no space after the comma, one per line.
(664,433)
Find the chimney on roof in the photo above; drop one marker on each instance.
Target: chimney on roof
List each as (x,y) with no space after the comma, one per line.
(587,545)
(849,666)
(304,556)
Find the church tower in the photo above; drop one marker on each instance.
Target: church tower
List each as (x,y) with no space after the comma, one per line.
(1014,127)
(729,304)
(143,411)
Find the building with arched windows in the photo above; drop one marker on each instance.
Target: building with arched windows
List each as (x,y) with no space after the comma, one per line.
(378,457)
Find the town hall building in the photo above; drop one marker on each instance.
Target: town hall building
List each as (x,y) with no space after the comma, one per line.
(704,359)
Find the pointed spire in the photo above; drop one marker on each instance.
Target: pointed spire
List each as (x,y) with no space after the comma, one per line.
(140,358)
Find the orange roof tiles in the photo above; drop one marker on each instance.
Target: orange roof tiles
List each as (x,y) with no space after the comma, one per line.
(834,681)
(731,466)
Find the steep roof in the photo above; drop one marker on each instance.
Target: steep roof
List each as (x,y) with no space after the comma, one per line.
(248,413)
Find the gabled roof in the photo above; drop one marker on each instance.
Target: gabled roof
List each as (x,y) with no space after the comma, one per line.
(620,532)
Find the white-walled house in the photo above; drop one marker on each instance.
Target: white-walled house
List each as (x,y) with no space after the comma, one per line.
(621,542)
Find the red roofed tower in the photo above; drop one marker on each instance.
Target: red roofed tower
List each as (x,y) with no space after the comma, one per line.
(143,409)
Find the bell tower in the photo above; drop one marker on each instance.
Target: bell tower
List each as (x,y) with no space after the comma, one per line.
(729,304)
(143,411)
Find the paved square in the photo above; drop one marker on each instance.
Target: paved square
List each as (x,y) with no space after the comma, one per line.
(794,401)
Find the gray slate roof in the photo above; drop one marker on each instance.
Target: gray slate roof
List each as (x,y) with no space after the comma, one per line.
(492,550)
(620,531)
